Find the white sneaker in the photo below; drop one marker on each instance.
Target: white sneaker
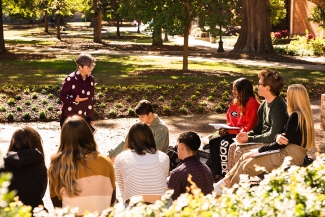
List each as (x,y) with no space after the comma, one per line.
(218,187)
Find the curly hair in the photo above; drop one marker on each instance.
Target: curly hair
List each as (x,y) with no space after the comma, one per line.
(273,79)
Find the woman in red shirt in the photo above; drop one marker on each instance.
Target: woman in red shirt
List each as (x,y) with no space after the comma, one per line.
(242,113)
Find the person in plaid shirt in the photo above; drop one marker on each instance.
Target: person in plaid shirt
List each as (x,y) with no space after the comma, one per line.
(188,144)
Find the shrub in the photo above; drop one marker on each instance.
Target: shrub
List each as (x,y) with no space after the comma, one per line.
(34,108)
(102,105)
(18,108)
(26,115)
(110,99)
(154,105)
(219,109)
(58,101)
(161,98)
(166,109)
(188,103)
(128,98)
(199,108)
(50,108)
(34,95)
(210,98)
(194,97)
(131,111)
(183,110)
(43,91)
(118,105)
(26,91)
(18,97)
(27,102)
(204,103)
(42,113)
(2,109)
(10,116)
(100,94)
(11,101)
(44,101)
(112,112)
(173,103)
(50,96)
(3,96)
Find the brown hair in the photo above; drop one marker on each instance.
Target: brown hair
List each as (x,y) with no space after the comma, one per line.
(26,138)
(245,91)
(77,140)
(140,139)
(144,107)
(273,79)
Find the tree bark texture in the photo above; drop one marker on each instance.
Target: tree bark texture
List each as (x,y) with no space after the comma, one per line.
(2,41)
(97,23)
(185,47)
(156,35)
(46,24)
(58,26)
(118,34)
(254,36)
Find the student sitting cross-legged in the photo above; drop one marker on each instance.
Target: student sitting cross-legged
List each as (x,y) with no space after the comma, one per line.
(296,138)
(188,144)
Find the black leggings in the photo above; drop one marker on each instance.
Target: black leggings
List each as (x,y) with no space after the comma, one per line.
(218,158)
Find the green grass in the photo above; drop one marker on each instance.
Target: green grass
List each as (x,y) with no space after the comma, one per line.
(112,70)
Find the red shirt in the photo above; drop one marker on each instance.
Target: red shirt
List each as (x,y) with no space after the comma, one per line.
(245,119)
(74,85)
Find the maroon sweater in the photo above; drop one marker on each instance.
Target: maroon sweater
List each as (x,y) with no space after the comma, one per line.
(74,85)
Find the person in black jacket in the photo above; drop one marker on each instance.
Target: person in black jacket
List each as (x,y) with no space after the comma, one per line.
(25,161)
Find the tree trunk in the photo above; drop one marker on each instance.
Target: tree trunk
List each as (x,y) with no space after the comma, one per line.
(2,40)
(118,34)
(166,36)
(58,26)
(97,23)
(156,35)
(254,36)
(46,25)
(187,28)
(138,26)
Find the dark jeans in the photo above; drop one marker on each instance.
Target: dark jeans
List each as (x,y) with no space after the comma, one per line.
(218,158)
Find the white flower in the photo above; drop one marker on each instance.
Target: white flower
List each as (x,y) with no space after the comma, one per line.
(69,109)
(82,91)
(88,93)
(79,112)
(90,107)
(73,86)
(68,79)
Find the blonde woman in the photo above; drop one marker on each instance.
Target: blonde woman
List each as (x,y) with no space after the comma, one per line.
(297,137)
(78,175)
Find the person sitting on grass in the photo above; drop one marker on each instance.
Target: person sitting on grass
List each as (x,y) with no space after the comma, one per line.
(272,116)
(79,176)
(25,160)
(188,144)
(242,113)
(297,137)
(159,129)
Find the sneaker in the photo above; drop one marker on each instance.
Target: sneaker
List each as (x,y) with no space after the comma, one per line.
(218,187)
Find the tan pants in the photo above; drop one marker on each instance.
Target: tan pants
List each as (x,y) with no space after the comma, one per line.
(246,164)
(235,152)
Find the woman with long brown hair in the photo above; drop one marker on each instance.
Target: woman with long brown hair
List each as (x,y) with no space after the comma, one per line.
(79,176)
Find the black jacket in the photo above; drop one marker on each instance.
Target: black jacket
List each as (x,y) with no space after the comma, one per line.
(29,175)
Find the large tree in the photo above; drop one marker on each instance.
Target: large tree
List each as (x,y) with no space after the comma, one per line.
(255,27)
(97,21)
(2,41)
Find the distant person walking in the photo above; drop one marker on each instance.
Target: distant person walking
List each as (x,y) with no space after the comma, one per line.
(77,93)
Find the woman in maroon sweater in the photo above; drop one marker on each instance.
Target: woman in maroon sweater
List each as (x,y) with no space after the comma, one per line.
(77,93)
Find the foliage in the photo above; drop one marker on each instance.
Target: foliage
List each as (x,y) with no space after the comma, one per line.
(297,191)
(318,16)
(278,11)
(308,45)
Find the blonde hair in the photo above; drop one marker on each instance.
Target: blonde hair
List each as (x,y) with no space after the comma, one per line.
(298,101)
(77,140)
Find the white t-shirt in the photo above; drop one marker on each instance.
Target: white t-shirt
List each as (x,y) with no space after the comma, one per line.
(141,174)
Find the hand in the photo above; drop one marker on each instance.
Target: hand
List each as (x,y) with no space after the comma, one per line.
(78,99)
(92,123)
(252,153)
(242,137)
(281,139)
(223,132)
